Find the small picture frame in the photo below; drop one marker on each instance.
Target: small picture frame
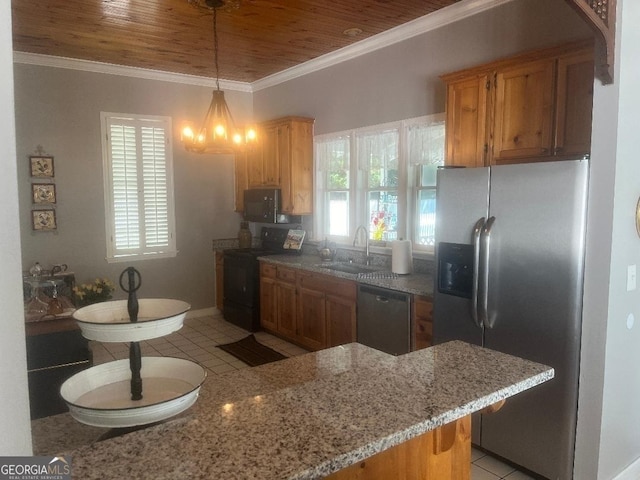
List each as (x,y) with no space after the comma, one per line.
(43,193)
(44,220)
(41,166)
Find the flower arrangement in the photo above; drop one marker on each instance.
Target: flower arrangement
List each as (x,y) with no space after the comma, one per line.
(98,291)
(378,225)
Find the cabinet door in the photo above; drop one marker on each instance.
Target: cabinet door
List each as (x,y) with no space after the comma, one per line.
(341,320)
(255,166)
(271,157)
(286,301)
(241,180)
(286,168)
(466,120)
(574,104)
(524,111)
(422,320)
(311,319)
(296,166)
(268,304)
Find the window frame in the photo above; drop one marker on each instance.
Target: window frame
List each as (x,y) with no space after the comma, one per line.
(144,251)
(408,184)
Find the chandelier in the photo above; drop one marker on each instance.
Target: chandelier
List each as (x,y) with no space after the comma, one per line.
(218,132)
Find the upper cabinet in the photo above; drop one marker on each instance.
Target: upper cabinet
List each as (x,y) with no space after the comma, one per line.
(283,159)
(533,107)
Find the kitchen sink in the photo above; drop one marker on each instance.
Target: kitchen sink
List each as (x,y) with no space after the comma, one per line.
(348,268)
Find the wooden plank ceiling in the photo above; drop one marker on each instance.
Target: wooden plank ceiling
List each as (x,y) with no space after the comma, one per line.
(257,38)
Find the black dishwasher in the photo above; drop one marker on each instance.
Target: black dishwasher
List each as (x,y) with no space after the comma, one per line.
(383,320)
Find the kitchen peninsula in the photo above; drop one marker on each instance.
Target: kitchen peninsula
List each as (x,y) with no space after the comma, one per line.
(321,414)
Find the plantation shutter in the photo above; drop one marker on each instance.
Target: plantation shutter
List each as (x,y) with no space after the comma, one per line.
(140,187)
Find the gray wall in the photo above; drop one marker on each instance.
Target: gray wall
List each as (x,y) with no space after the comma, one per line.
(402,80)
(59,109)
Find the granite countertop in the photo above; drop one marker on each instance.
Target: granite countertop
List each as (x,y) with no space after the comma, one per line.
(308,416)
(415,283)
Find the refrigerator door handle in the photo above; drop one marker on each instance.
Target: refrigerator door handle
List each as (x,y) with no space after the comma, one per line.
(483,284)
(477,230)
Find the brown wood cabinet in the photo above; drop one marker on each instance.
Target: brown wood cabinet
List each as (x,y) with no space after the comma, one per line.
(282,159)
(523,125)
(268,305)
(336,309)
(532,107)
(313,310)
(287,315)
(422,322)
(312,314)
(466,121)
(263,161)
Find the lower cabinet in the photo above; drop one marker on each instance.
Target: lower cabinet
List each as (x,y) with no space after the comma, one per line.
(422,322)
(313,310)
(268,304)
(312,314)
(53,357)
(341,319)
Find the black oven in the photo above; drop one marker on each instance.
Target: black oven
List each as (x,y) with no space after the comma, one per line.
(241,302)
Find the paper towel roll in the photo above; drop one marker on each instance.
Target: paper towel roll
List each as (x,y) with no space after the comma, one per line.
(401,259)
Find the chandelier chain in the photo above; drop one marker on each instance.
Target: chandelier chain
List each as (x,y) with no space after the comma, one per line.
(215,46)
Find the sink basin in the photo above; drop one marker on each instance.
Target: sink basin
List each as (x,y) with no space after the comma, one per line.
(348,268)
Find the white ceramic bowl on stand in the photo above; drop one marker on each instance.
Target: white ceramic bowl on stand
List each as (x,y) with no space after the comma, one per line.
(109,321)
(101,395)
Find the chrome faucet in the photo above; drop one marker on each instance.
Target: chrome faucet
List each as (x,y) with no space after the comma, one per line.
(367,259)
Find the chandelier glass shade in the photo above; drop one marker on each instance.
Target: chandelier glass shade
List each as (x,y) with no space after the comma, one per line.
(218,132)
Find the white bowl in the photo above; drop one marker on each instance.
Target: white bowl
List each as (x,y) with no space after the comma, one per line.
(109,321)
(101,395)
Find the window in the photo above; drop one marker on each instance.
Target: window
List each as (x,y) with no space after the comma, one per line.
(390,187)
(138,175)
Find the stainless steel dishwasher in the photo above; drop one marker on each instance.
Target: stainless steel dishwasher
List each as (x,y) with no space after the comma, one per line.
(383,319)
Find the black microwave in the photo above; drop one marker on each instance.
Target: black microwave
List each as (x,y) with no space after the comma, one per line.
(263,205)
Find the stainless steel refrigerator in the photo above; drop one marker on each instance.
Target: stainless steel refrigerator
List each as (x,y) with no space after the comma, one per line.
(509,260)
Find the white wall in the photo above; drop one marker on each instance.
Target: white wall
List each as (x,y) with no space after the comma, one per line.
(59,109)
(14,414)
(617,150)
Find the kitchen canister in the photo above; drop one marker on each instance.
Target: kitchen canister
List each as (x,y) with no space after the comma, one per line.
(244,236)
(401,257)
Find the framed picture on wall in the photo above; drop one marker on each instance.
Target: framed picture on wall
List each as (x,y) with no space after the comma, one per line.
(43,193)
(41,166)
(43,220)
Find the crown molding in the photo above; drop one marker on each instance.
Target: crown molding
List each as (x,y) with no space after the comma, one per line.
(112,69)
(426,23)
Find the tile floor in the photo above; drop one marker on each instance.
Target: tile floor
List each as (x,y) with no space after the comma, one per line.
(198,339)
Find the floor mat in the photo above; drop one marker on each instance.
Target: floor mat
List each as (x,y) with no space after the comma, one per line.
(251,352)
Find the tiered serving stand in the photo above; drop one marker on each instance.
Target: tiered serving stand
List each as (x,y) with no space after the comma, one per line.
(141,390)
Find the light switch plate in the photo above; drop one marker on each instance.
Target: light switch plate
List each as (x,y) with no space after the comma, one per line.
(631,278)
